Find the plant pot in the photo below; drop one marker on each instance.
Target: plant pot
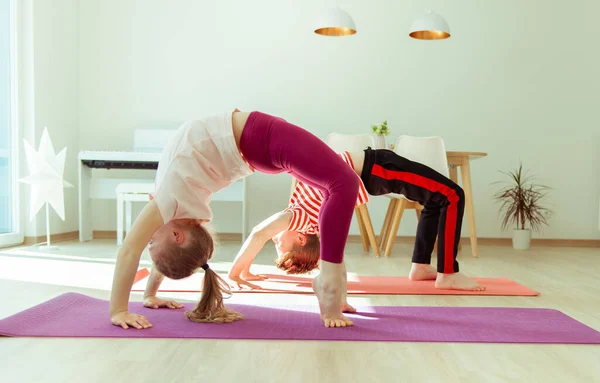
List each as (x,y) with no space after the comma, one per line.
(521,239)
(380,142)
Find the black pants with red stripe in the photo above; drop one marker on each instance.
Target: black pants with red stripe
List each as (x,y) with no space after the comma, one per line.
(444,202)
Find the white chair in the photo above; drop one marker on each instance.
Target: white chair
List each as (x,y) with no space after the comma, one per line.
(429,151)
(356,143)
(128,192)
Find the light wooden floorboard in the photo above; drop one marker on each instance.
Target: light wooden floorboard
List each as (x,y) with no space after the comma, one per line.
(566,277)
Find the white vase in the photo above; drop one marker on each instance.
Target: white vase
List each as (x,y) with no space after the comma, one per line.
(521,239)
(380,142)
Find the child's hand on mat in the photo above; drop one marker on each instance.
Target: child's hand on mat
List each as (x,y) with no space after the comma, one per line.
(125,318)
(252,277)
(238,283)
(155,302)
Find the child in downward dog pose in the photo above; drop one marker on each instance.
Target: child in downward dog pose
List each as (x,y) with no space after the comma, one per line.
(203,157)
(295,229)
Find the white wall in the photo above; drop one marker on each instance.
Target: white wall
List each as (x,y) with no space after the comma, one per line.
(518,80)
(49,79)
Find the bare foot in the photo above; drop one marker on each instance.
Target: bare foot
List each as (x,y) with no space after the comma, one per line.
(457,281)
(252,277)
(422,272)
(346,308)
(330,303)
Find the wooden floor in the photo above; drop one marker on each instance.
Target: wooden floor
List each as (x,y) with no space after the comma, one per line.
(566,277)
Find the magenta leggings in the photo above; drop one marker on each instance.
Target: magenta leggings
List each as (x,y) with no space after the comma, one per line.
(273,145)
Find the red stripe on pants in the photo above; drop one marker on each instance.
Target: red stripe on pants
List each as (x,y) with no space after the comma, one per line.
(432,186)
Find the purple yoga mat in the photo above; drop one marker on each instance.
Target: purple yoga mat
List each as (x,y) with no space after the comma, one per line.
(76,315)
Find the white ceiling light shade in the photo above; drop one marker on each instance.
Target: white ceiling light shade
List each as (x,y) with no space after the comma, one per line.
(335,22)
(430,26)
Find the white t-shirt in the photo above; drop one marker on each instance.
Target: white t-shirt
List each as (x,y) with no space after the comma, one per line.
(200,159)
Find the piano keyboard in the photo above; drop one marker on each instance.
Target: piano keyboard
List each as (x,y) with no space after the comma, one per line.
(119,160)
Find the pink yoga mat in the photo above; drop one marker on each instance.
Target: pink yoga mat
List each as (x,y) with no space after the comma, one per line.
(356,285)
(76,315)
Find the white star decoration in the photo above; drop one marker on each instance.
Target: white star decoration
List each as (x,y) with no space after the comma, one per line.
(46,176)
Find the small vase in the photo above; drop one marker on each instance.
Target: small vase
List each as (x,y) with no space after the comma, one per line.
(380,142)
(521,239)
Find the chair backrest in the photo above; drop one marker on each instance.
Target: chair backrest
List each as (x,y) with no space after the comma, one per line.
(429,151)
(350,142)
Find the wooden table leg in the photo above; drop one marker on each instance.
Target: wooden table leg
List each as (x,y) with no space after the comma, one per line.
(453,173)
(368,225)
(454,177)
(361,228)
(465,173)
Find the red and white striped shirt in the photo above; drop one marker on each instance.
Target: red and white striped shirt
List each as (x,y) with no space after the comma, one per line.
(306,201)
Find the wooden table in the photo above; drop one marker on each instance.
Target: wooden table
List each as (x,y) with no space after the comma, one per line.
(463,160)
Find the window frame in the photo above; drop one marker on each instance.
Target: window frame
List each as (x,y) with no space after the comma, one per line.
(16,237)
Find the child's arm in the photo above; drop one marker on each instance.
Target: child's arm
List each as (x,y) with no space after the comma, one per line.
(255,242)
(150,298)
(154,281)
(128,260)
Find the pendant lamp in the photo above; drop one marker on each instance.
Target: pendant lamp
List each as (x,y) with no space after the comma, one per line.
(430,26)
(335,22)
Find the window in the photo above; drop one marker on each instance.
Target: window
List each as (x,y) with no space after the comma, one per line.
(10,232)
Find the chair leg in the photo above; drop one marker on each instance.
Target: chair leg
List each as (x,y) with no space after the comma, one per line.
(388,235)
(361,228)
(127,217)
(381,242)
(369,229)
(119,219)
(395,225)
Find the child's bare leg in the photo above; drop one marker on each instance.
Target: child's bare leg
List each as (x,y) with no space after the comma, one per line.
(346,308)
(329,286)
(422,272)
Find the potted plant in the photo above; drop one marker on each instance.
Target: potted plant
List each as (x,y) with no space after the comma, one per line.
(380,131)
(521,205)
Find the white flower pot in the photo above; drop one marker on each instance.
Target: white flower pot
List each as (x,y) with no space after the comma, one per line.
(380,142)
(521,239)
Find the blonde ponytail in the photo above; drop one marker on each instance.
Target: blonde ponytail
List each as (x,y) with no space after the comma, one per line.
(211,307)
